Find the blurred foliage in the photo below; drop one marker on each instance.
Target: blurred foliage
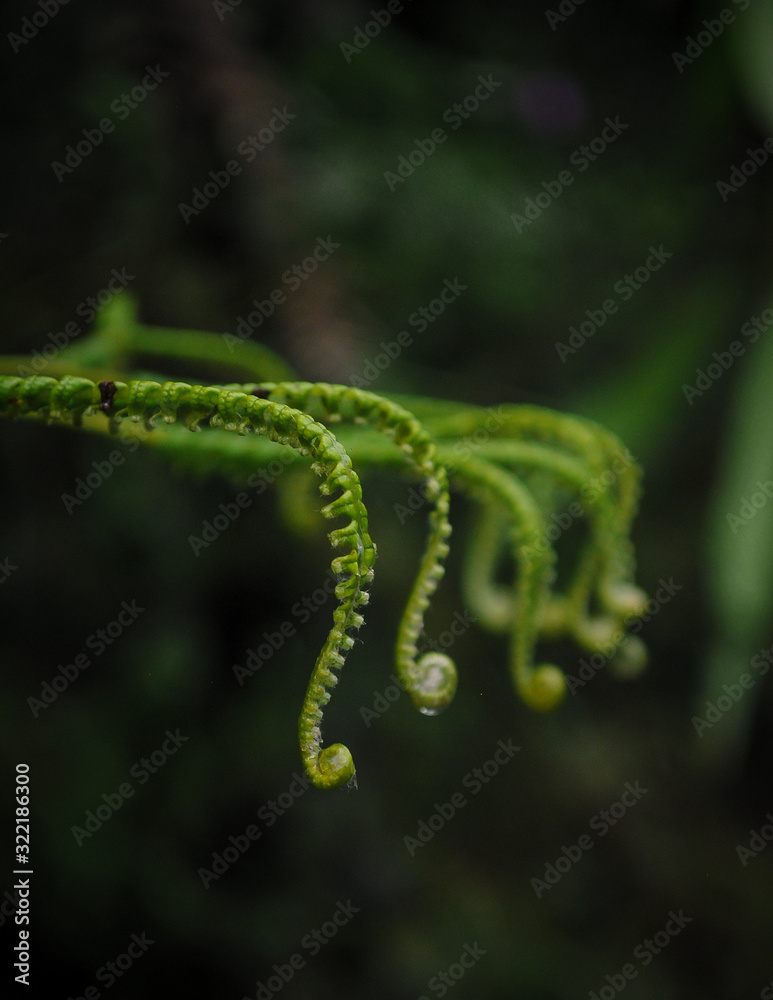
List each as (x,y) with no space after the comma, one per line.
(323,176)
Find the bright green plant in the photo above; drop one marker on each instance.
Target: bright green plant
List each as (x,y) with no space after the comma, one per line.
(533,472)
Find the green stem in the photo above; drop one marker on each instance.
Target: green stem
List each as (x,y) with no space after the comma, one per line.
(431,679)
(69,400)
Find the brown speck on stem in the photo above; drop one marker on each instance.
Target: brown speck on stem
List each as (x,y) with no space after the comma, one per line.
(107,391)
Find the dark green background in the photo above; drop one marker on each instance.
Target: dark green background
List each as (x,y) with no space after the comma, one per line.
(324,176)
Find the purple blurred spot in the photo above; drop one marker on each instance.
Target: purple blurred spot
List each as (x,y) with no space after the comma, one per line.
(551,104)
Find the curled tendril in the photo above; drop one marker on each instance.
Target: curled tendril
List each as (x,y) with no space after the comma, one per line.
(433,683)
(493,604)
(430,680)
(547,457)
(592,463)
(519,462)
(145,401)
(541,687)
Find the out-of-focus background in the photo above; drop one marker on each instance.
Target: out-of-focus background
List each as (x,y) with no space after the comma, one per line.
(602,192)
